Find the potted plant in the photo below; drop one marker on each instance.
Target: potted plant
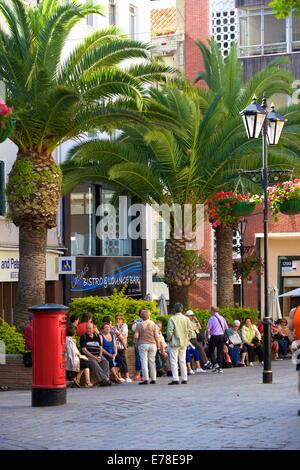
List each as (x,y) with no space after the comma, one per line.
(285,198)
(7,121)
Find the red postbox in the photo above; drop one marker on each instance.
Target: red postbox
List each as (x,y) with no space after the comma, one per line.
(49,323)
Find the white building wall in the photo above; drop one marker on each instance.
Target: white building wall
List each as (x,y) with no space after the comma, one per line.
(224,23)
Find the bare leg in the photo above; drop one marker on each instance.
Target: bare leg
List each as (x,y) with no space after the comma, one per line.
(86,373)
(244,357)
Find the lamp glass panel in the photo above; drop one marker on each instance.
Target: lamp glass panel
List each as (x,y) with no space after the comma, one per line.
(249,122)
(259,123)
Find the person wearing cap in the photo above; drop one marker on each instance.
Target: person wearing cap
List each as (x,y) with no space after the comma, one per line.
(237,350)
(197,342)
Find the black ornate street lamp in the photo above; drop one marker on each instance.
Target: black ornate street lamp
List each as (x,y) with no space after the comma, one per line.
(258,120)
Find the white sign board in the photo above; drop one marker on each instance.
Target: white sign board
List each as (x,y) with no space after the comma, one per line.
(67,265)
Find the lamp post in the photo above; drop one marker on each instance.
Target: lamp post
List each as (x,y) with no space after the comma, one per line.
(242,230)
(258,120)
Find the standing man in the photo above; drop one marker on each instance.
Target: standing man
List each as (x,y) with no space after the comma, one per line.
(215,333)
(294,325)
(179,332)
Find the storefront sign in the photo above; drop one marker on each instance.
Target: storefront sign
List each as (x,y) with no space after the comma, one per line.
(288,266)
(9,266)
(100,275)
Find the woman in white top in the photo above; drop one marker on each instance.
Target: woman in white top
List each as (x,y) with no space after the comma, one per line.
(75,361)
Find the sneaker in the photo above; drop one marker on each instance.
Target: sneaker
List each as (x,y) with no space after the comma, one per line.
(200,371)
(145,382)
(128,381)
(278,359)
(174,382)
(184,382)
(215,368)
(191,372)
(208,365)
(122,380)
(153,382)
(251,364)
(137,378)
(220,370)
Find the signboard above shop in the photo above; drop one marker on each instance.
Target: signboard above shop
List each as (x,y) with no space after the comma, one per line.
(9,266)
(100,275)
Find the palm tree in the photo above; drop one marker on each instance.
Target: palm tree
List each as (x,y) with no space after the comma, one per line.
(187,152)
(226,75)
(56,98)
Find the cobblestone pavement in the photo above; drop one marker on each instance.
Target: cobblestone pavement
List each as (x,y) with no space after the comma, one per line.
(214,411)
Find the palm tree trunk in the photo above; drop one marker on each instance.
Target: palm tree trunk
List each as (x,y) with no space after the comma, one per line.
(178,294)
(33,194)
(225,295)
(31,284)
(180,270)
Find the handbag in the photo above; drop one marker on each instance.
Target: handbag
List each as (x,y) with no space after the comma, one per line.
(226,338)
(235,340)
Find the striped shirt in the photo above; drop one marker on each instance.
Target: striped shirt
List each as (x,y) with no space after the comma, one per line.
(92,344)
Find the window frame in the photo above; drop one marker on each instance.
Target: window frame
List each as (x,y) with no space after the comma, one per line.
(264,49)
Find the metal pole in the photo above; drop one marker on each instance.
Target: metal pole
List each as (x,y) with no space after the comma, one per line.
(242,275)
(267,372)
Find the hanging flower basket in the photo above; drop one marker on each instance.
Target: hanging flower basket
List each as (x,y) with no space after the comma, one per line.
(7,129)
(285,198)
(225,208)
(243,208)
(7,122)
(290,207)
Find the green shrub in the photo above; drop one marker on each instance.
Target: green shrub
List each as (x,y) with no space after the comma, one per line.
(229,314)
(116,304)
(14,341)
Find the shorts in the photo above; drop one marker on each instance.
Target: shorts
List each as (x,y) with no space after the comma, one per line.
(298,365)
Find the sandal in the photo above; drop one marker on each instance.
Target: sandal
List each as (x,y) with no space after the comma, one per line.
(89,385)
(76,383)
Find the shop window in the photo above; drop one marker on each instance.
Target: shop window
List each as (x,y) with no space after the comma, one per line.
(82,215)
(296,33)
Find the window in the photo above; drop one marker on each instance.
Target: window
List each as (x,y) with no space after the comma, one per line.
(112,12)
(82,210)
(274,34)
(116,246)
(296,33)
(91,20)
(132,22)
(2,188)
(261,33)
(250,35)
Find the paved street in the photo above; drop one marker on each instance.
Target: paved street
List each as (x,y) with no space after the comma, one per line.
(230,411)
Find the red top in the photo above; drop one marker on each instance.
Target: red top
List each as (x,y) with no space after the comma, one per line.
(81,328)
(296,322)
(28,336)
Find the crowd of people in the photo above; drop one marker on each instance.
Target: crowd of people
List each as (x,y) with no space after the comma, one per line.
(180,351)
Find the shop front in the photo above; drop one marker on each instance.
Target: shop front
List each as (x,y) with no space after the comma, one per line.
(101,275)
(9,272)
